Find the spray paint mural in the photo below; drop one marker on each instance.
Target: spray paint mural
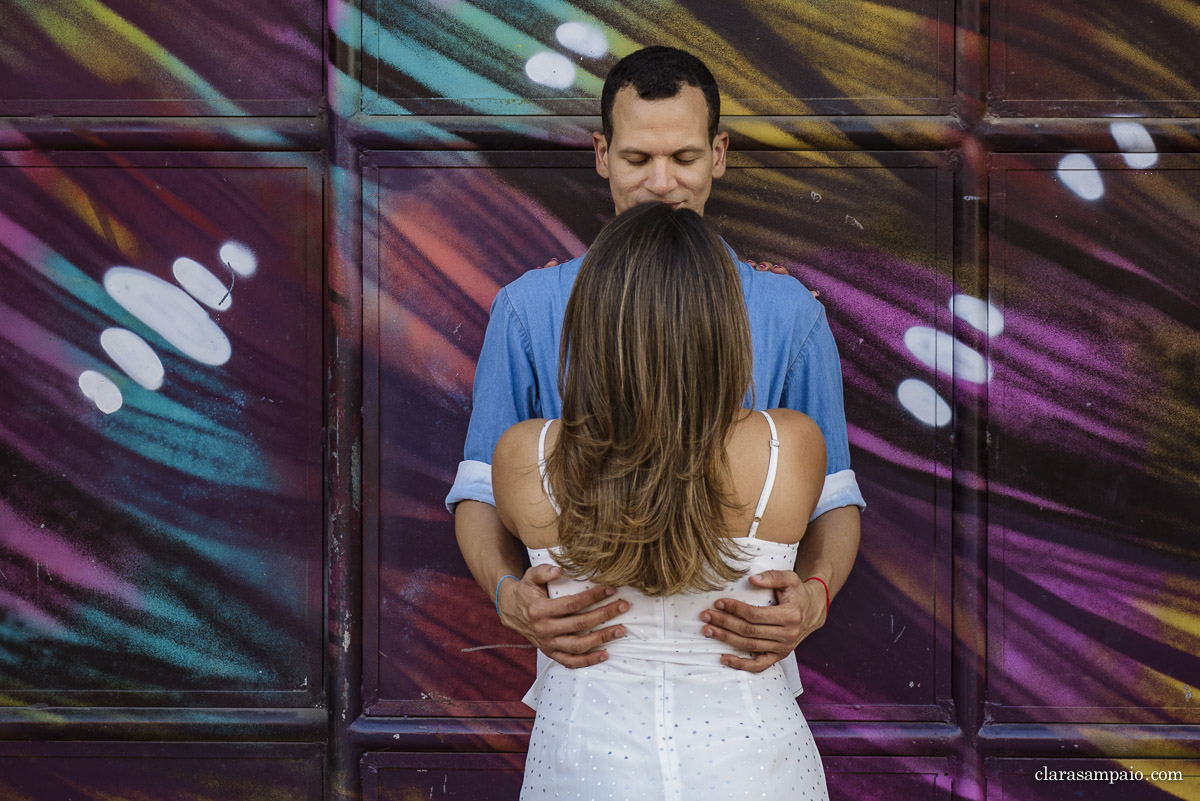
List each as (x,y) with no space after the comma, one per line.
(138,57)
(1094,465)
(162,444)
(161,537)
(997,202)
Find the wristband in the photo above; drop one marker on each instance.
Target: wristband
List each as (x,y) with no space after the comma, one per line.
(498,583)
(823,584)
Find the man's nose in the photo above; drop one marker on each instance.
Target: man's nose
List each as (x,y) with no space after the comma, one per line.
(662,177)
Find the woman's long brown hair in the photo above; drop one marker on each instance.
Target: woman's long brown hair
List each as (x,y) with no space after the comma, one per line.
(654,365)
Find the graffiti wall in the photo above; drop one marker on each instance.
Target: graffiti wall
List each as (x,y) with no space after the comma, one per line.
(247,256)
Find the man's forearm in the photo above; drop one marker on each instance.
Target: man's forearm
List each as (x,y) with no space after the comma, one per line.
(489,550)
(829,547)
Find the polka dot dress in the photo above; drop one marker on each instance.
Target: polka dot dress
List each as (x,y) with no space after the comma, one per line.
(663,718)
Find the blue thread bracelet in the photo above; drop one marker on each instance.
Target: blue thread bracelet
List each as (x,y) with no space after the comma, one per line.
(497,593)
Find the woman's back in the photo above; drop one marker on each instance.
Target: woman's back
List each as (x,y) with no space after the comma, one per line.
(662,717)
(800,470)
(667,628)
(776,465)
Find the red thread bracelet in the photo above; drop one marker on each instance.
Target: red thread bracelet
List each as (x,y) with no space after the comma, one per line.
(823,584)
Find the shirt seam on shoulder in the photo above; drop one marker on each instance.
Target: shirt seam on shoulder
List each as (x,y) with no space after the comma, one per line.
(803,350)
(526,342)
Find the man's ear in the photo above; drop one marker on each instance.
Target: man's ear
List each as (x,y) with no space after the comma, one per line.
(600,144)
(720,149)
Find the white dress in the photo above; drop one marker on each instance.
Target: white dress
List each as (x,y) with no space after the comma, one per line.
(662,718)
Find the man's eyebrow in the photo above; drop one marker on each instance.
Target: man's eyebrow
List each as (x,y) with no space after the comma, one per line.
(687,150)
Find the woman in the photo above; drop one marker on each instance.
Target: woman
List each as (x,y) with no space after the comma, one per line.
(658,482)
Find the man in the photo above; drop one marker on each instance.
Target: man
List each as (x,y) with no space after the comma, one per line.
(660,110)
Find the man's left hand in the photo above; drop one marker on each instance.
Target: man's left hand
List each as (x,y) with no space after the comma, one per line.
(769,633)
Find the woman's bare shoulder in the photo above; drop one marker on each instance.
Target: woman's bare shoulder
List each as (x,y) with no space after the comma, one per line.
(800,439)
(518,444)
(515,477)
(798,424)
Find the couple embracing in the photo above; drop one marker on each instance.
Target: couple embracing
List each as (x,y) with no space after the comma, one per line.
(681,545)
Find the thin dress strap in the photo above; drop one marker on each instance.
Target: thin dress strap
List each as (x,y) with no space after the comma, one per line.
(768,484)
(542,466)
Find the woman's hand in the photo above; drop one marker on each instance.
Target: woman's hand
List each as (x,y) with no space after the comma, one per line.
(778,269)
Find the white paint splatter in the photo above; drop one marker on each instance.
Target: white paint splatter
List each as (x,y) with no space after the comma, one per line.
(1135,140)
(979,314)
(102,391)
(202,284)
(584,38)
(171,312)
(943,352)
(551,69)
(240,258)
(131,353)
(1080,175)
(923,402)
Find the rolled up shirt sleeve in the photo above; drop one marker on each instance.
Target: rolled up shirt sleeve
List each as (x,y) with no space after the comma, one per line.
(841,489)
(473,482)
(814,386)
(505,393)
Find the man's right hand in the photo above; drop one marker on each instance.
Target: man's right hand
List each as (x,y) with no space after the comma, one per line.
(558,626)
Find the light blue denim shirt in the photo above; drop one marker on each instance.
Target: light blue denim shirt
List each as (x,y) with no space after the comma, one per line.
(796,366)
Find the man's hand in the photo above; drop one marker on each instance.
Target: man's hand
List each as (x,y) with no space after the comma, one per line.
(769,633)
(558,626)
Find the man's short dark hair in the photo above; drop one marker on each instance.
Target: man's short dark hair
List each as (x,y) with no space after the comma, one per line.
(658,73)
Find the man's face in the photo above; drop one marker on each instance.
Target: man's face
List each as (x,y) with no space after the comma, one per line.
(660,150)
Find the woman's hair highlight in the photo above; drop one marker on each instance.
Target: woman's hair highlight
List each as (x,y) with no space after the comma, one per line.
(654,365)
